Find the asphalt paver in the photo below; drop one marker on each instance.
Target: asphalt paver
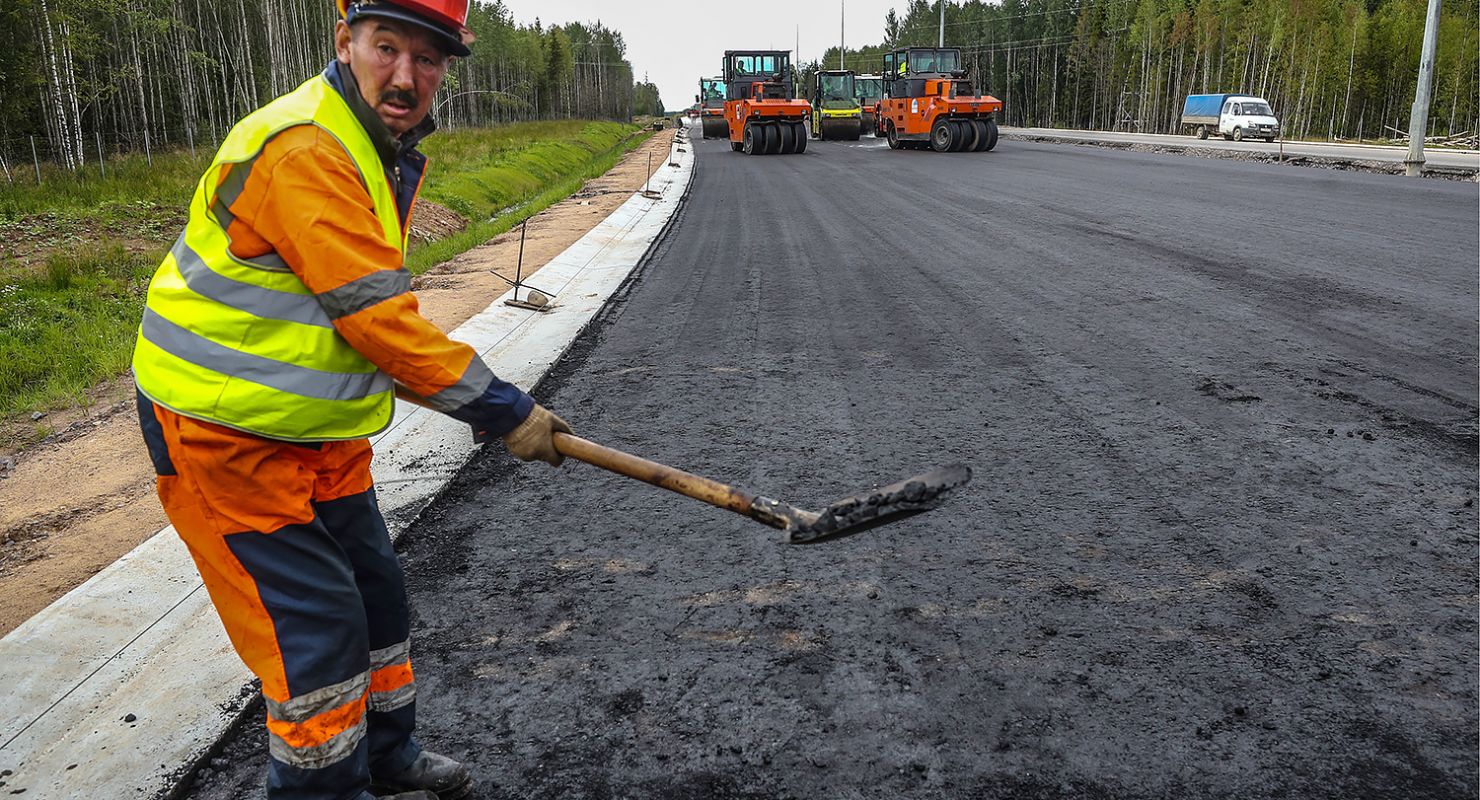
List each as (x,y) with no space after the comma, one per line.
(1221,541)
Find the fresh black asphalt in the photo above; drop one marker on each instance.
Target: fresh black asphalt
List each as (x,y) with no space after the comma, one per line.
(1221,542)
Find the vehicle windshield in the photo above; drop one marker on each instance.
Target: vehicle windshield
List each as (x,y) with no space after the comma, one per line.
(837,87)
(1254,109)
(947,60)
(758,64)
(713,91)
(868,89)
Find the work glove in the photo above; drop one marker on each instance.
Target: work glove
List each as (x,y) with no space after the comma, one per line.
(534,439)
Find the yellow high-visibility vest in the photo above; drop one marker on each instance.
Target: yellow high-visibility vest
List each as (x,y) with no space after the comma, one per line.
(243,342)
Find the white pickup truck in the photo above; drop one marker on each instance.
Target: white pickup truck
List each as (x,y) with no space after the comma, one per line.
(1234,116)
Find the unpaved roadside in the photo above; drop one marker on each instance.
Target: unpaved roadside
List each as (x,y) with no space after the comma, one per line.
(1297,157)
(71,507)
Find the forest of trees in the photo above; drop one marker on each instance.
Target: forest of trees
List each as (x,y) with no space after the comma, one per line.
(82,77)
(1334,69)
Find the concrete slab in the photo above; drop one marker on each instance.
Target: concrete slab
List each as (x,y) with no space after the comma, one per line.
(128,679)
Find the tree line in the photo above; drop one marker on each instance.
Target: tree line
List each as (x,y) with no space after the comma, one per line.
(1338,69)
(83,78)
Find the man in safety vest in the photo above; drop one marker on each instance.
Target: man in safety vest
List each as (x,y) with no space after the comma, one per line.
(275,332)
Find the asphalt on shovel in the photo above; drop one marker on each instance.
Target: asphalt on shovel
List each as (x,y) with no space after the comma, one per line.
(850,515)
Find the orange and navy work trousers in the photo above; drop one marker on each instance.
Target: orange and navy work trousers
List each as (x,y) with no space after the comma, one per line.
(298,562)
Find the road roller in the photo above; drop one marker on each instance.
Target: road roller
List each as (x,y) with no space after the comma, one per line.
(836,113)
(761,110)
(930,103)
(711,101)
(869,89)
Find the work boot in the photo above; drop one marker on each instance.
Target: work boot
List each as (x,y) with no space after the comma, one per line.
(438,776)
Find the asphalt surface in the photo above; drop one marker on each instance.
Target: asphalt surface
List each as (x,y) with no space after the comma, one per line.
(1221,542)
(1434,157)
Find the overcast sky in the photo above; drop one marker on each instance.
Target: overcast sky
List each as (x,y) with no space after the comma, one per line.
(675,43)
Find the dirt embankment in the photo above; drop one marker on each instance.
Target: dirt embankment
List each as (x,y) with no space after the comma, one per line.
(84,495)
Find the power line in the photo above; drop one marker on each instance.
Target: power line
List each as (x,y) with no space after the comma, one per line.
(1030,43)
(989,20)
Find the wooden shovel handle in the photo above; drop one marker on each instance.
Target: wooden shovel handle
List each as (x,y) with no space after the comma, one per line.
(627,465)
(660,475)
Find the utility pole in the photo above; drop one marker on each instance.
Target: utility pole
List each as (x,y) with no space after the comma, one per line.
(943,23)
(1418,124)
(842,33)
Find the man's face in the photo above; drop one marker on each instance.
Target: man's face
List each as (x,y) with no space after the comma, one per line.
(398,66)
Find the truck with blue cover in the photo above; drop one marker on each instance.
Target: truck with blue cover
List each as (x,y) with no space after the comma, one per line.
(1232,116)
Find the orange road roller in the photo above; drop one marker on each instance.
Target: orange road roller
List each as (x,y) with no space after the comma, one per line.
(761,109)
(929,102)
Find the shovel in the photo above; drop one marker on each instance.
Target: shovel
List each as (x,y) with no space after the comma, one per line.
(850,515)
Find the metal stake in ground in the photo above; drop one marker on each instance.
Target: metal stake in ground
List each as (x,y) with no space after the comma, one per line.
(647,186)
(536,300)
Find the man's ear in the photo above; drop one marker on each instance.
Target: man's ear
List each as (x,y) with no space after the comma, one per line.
(342,36)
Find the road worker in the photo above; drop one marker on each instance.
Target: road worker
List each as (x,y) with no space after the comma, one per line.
(274,334)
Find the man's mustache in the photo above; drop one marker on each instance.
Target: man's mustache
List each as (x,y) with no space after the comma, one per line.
(399,96)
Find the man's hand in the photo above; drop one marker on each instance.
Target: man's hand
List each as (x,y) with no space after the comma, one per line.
(534,439)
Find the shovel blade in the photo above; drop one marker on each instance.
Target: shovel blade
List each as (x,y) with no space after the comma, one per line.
(896,501)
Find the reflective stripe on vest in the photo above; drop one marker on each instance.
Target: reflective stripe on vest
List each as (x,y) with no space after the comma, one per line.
(243,342)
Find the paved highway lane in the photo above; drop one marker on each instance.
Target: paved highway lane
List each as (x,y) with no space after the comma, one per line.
(1221,542)
(1434,157)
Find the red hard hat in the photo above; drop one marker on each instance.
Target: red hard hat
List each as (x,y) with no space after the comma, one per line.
(447,17)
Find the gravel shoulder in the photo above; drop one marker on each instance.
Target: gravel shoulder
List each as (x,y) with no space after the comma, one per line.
(1442,163)
(1221,542)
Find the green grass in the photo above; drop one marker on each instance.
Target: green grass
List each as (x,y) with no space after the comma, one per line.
(130,181)
(497,189)
(69,324)
(70,302)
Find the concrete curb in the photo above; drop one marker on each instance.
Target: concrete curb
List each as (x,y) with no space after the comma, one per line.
(124,683)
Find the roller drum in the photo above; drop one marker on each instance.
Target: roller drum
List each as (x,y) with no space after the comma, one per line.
(715,128)
(842,128)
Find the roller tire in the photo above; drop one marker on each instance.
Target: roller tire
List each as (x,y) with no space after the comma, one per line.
(991,135)
(892,134)
(801,137)
(963,137)
(773,139)
(943,136)
(971,136)
(737,147)
(754,143)
(788,138)
(979,129)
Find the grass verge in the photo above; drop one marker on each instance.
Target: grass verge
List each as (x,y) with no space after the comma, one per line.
(481,193)
(76,254)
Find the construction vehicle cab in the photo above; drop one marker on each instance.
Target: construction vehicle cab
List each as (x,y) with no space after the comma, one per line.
(930,102)
(869,89)
(761,110)
(711,101)
(836,113)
